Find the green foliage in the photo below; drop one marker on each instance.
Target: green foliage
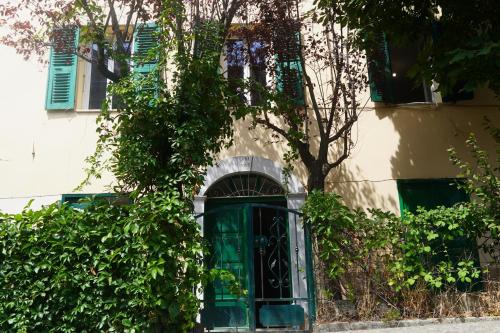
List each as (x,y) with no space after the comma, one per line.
(174,120)
(435,241)
(345,237)
(482,182)
(435,247)
(228,279)
(131,268)
(456,60)
(161,136)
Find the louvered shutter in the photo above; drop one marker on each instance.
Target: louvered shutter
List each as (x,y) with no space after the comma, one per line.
(145,40)
(62,70)
(379,71)
(84,201)
(289,71)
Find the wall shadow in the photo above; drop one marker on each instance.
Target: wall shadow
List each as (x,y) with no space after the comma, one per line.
(425,134)
(348,182)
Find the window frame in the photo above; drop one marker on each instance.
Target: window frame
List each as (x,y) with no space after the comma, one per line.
(247,73)
(84,93)
(428,91)
(84,72)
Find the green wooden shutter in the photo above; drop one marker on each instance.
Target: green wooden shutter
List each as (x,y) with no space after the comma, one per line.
(75,200)
(289,73)
(429,194)
(380,72)
(84,200)
(145,40)
(61,81)
(145,60)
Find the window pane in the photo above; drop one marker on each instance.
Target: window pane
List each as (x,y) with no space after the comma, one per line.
(235,65)
(116,102)
(257,71)
(98,83)
(404,88)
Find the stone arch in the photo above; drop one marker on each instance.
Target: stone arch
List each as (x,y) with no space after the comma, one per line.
(295,196)
(255,164)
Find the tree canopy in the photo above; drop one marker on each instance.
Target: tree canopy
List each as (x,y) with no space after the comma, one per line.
(319,76)
(459,41)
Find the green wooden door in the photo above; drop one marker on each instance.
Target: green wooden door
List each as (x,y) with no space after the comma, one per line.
(226,229)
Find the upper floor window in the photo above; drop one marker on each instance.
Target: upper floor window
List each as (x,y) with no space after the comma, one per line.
(96,84)
(389,66)
(65,70)
(252,68)
(248,61)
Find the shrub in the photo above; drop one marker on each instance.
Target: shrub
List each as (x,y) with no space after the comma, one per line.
(345,236)
(131,268)
(353,250)
(439,247)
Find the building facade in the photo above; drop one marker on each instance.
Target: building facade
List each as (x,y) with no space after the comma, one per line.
(399,161)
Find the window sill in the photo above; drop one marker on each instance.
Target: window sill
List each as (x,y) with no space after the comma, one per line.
(412,105)
(429,105)
(92,110)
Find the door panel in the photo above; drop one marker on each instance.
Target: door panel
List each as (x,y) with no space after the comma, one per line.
(271,264)
(226,231)
(252,240)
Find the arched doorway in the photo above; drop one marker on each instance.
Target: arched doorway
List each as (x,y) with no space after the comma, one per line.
(253,232)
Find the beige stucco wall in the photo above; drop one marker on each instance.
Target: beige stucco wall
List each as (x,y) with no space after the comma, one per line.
(42,153)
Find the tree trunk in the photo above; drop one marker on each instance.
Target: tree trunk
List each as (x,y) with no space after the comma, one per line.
(316,178)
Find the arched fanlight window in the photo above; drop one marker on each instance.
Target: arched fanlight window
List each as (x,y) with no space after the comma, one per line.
(244,185)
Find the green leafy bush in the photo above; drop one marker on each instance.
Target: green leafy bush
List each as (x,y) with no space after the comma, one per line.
(131,268)
(482,183)
(438,246)
(345,237)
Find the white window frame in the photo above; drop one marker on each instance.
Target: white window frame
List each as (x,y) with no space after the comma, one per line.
(87,75)
(246,68)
